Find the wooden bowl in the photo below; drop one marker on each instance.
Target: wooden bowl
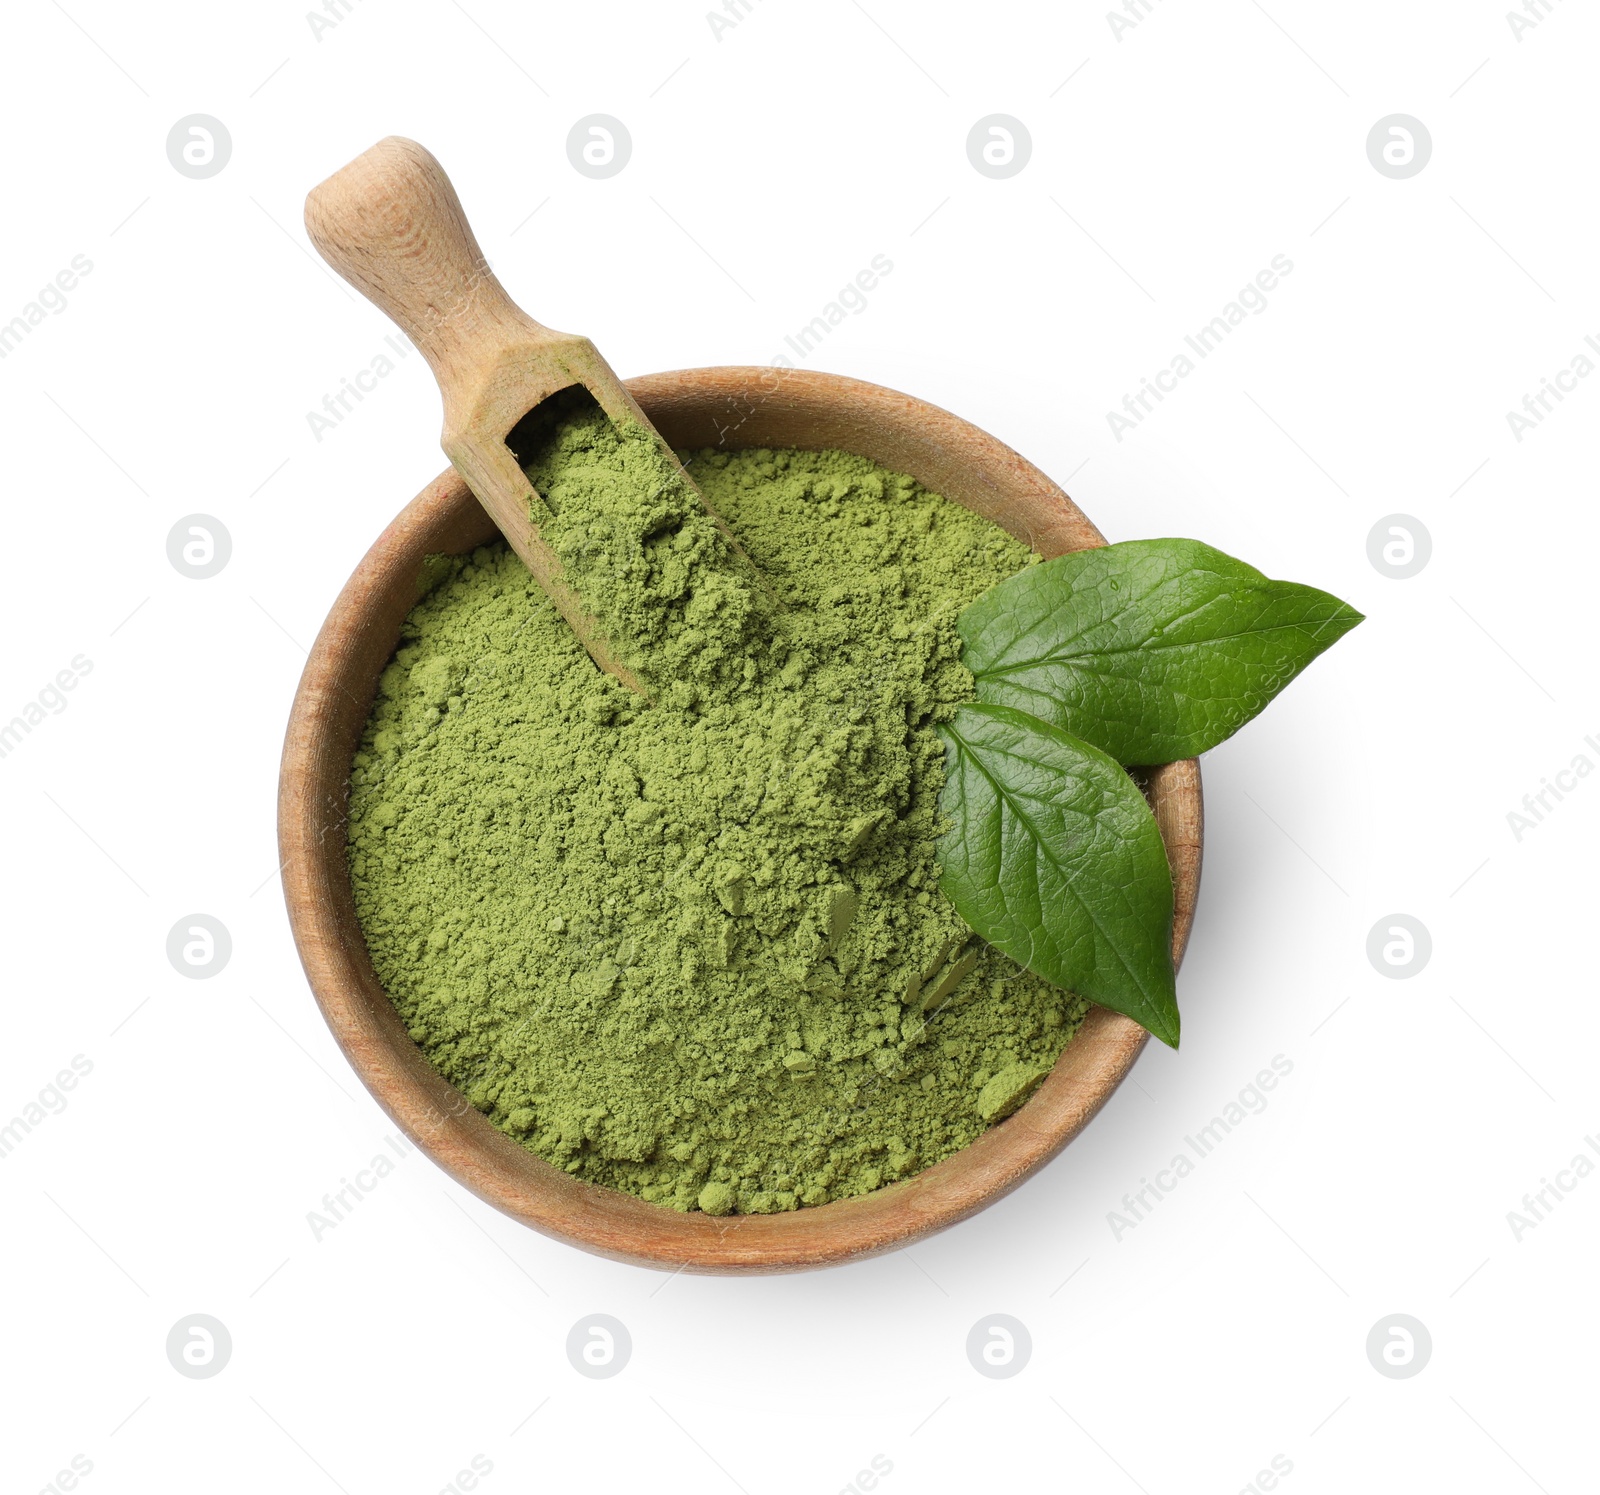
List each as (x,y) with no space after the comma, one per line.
(734,407)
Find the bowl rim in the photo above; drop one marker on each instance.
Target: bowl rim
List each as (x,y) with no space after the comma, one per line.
(357,638)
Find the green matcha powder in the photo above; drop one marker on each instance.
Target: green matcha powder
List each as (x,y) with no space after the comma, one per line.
(694,947)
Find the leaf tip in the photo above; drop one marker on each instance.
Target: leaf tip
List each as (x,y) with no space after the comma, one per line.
(1165,1026)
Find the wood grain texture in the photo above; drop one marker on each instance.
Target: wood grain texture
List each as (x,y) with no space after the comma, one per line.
(733,407)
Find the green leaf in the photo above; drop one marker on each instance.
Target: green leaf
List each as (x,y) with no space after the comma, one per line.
(1053,857)
(1151,649)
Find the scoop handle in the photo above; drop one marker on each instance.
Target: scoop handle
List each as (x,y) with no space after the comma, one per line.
(391,224)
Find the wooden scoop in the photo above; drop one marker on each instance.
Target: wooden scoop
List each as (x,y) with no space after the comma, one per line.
(391,224)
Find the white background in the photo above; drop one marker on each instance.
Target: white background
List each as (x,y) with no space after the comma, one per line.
(769,165)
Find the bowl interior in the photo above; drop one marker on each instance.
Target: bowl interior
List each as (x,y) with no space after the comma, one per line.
(732,407)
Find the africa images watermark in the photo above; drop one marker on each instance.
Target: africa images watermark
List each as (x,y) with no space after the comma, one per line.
(340,1203)
(879,1466)
(850,298)
(450,305)
(1250,300)
(51,699)
(1539,1204)
(733,11)
(1251,1101)
(479,1469)
(333,11)
(1553,789)
(50,1101)
(351,391)
(1269,1478)
(1552,391)
(70,1477)
(51,298)
(1133,11)
(1533,11)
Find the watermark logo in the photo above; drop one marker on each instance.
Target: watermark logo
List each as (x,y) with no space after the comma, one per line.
(1399,946)
(1399,146)
(999,146)
(199,1346)
(999,1346)
(199,146)
(1399,546)
(199,546)
(198,946)
(599,146)
(599,1346)
(1399,1346)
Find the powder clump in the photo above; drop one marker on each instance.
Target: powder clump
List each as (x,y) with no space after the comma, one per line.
(693,947)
